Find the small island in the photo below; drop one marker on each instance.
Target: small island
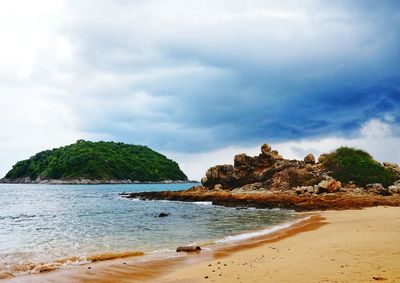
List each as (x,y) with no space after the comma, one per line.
(86,162)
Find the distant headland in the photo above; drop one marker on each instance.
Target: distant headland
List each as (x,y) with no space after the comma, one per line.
(86,162)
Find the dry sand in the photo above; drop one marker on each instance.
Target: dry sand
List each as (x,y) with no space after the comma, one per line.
(333,246)
(354,246)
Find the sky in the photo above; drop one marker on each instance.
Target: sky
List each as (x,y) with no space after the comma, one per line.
(200,81)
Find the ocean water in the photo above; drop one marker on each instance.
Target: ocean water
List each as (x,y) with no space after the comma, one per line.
(51,226)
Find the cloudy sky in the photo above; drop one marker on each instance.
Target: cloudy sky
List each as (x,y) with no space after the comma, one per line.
(200,80)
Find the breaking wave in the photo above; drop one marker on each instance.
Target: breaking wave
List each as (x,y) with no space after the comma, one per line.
(31,268)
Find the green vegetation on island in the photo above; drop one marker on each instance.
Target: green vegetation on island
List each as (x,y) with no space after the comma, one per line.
(354,165)
(98,161)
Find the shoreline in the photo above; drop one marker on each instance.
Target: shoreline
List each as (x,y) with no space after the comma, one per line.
(351,246)
(333,246)
(131,266)
(270,200)
(93,182)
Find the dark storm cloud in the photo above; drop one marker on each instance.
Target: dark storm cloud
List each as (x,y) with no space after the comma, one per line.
(192,76)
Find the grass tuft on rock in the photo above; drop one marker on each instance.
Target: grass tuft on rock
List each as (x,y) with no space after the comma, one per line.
(355,165)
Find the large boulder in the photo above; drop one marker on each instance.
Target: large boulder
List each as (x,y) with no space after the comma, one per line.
(265,148)
(310,159)
(242,160)
(293,176)
(377,189)
(163,214)
(220,174)
(394,189)
(329,185)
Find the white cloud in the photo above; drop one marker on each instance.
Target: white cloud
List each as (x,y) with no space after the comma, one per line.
(375,128)
(67,67)
(375,137)
(26,28)
(389,117)
(32,123)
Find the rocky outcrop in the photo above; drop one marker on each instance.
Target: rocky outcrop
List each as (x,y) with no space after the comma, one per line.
(266,199)
(269,168)
(269,181)
(329,185)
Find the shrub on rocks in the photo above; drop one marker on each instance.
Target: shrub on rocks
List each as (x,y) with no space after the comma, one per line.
(354,165)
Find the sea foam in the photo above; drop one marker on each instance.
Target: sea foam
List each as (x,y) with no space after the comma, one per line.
(259,233)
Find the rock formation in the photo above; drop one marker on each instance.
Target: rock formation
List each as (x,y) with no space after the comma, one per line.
(269,171)
(309,159)
(395,188)
(268,180)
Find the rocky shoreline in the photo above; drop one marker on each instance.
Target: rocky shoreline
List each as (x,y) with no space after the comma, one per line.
(270,181)
(85,182)
(282,200)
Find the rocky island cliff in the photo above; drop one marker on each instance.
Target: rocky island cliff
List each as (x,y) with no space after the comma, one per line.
(86,162)
(345,178)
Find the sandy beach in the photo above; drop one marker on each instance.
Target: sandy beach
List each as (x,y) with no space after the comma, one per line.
(353,246)
(332,246)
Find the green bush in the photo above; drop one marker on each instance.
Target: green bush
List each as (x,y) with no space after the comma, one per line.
(98,160)
(349,164)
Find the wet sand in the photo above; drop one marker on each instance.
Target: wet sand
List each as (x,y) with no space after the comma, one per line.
(332,246)
(354,246)
(141,269)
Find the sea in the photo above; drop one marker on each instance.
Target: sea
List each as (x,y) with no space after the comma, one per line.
(44,227)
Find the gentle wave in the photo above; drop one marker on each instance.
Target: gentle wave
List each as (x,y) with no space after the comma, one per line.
(43,225)
(168,201)
(76,260)
(108,256)
(16,217)
(203,202)
(259,233)
(32,268)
